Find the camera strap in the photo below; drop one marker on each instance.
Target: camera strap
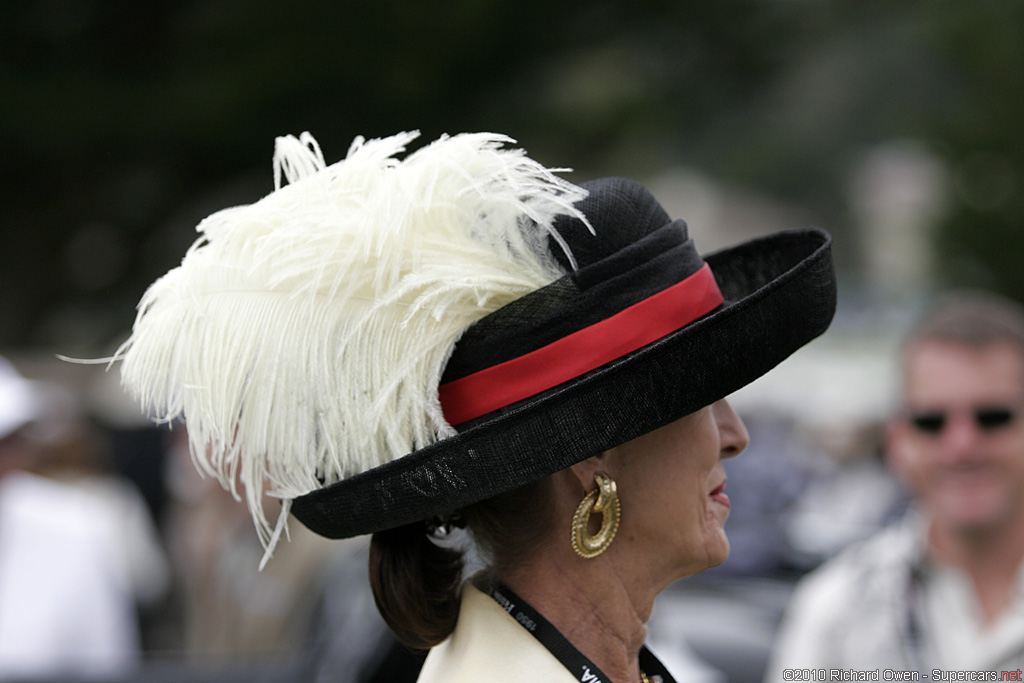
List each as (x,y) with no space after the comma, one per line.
(578,664)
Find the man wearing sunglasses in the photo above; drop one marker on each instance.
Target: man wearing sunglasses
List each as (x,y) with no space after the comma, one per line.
(943,590)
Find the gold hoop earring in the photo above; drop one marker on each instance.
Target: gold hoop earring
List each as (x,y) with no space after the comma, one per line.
(603,499)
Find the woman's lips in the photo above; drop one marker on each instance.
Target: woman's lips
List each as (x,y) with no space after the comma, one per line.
(719,495)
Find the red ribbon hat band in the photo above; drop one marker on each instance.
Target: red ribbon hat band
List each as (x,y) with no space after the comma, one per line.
(632,328)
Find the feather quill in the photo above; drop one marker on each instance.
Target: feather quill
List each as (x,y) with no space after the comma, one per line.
(303,337)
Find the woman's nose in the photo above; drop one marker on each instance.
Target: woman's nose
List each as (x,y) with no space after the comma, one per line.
(733,435)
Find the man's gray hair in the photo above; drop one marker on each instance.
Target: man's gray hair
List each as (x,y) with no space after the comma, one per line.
(972,318)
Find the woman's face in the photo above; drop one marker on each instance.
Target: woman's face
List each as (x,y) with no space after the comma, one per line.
(671,483)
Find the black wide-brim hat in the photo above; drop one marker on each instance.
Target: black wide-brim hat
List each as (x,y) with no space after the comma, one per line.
(633,339)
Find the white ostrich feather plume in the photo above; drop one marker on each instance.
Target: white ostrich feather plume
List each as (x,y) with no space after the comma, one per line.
(303,337)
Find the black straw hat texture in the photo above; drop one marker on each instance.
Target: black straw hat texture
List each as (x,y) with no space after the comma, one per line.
(778,291)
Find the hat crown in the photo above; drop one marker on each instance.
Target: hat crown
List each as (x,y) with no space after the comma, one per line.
(621,211)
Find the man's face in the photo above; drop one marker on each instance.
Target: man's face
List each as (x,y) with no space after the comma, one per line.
(953,444)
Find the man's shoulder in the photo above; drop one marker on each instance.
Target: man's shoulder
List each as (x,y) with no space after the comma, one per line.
(874,566)
(847,611)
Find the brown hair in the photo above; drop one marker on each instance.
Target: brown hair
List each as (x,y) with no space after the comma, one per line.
(417,583)
(971,318)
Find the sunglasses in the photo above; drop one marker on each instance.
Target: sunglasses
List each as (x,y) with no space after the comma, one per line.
(986,419)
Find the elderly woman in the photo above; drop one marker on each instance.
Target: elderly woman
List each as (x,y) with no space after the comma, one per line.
(464,338)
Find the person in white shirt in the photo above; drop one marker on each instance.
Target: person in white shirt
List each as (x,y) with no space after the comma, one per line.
(943,591)
(402,347)
(66,606)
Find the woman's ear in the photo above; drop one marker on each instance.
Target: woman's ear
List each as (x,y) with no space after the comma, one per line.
(585,470)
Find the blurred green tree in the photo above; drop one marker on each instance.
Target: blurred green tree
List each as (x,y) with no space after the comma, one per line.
(125,122)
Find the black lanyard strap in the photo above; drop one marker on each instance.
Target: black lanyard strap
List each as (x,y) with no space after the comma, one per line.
(551,638)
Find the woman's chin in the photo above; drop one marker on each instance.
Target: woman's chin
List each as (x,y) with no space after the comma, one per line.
(719,554)
(715,553)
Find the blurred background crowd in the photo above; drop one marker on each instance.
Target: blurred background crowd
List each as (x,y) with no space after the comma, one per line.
(894,125)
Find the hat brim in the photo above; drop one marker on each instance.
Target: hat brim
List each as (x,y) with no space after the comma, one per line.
(780,293)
